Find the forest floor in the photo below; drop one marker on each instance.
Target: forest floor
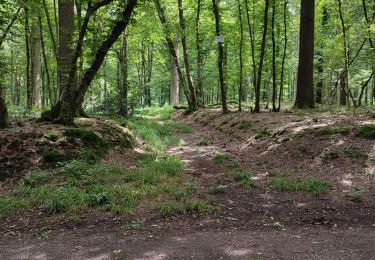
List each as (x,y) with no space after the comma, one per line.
(284,186)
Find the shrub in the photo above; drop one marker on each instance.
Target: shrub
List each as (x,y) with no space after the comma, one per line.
(262,133)
(244,125)
(51,155)
(52,136)
(366,131)
(35,179)
(86,135)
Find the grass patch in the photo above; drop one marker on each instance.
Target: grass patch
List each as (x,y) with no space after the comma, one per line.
(163,113)
(35,179)
(244,178)
(334,131)
(203,142)
(51,155)
(51,136)
(86,135)
(11,206)
(244,125)
(314,186)
(219,157)
(263,133)
(196,207)
(180,127)
(366,131)
(218,190)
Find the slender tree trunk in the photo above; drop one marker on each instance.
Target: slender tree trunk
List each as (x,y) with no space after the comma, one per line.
(172,50)
(50,29)
(320,84)
(223,88)
(305,86)
(240,91)
(346,87)
(281,91)
(29,89)
(36,58)
(4,117)
(274,78)
(262,53)
(186,56)
(200,92)
(174,89)
(252,45)
(124,76)
(45,61)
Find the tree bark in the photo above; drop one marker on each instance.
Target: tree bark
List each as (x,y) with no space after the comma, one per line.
(281,91)
(123,98)
(200,91)
(274,77)
(241,90)
(174,89)
(4,117)
(305,86)
(36,59)
(262,53)
(220,60)
(172,50)
(186,56)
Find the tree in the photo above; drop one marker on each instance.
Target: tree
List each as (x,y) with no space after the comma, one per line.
(305,86)
(71,99)
(220,60)
(262,53)
(4,117)
(186,56)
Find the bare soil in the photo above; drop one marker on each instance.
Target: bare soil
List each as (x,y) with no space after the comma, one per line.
(253,223)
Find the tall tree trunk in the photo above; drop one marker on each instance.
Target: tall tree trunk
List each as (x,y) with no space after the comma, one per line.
(174,89)
(186,56)
(223,88)
(346,54)
(4,117)
(124,76)
(281,91)
(241,90)
(252,44)
(45,62)
(305,86)
(172,50)
(343,88)
(29,89)
(200,92)
(261,61)
(50,29)
(274,78)
(320,84)
(65,54)
(36,58)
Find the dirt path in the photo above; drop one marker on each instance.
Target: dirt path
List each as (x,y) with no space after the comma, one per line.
(245,228)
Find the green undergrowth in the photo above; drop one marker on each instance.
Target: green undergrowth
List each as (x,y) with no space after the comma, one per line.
(366,131)
(343,130)
(316,187)
(77,186)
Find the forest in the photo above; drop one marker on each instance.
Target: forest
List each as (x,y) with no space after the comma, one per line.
(178,129)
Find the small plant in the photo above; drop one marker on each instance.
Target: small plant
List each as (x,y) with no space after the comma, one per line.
(180,127)
(356,194)
(201,207)
(316,187)
(98,198)
(43,232)
(354,153)
(51,155)
(219,157)
(244,125)
(262,133)
(170,209)
(11,206)
(51,136)
(135,224)
(86,135)
(366,131)
(334,131)
(203,142)
(244,178)
(35,179)
(218,190)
